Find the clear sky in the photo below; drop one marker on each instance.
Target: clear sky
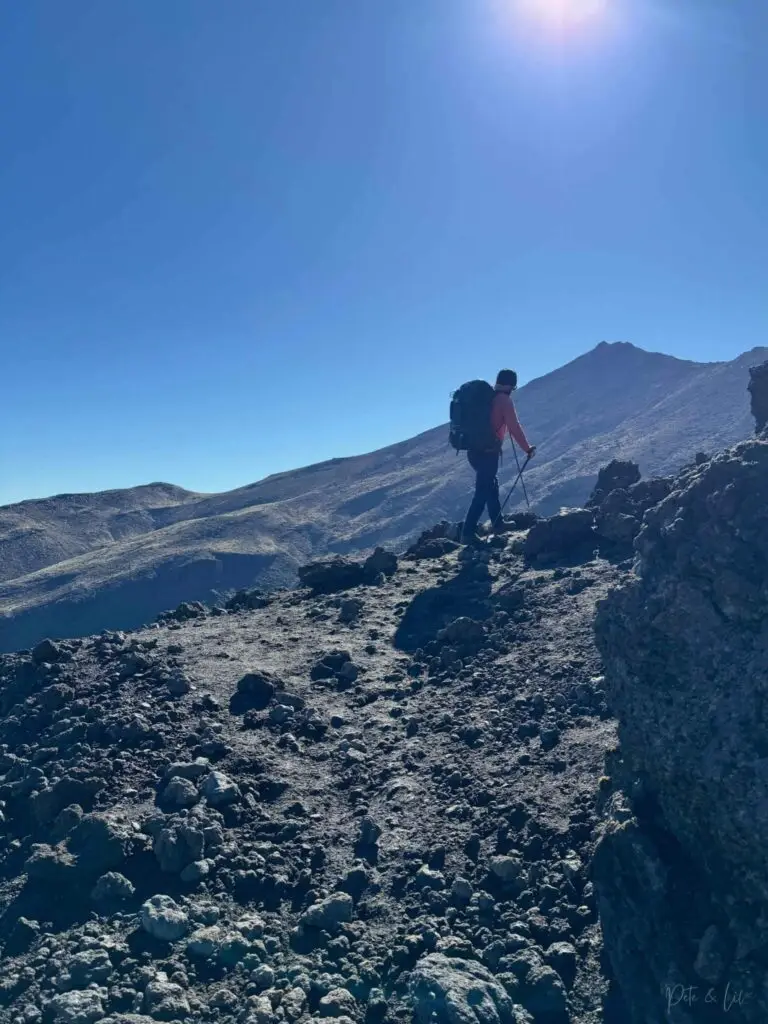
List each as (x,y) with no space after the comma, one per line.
(240,236)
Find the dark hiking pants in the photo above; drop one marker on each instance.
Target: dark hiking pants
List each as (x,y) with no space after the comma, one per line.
(486,466)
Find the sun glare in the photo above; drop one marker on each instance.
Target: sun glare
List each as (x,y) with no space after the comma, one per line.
(563,13)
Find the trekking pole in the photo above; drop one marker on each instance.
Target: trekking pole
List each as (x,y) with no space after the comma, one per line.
(518,477)
(528,459)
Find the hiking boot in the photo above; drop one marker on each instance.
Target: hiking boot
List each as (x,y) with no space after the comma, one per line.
(502,526)
(472,540)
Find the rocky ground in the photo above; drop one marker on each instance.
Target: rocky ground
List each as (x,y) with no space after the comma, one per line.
(396,793)
(370,804)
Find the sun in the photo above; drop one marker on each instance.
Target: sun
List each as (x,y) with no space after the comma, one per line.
(563,13)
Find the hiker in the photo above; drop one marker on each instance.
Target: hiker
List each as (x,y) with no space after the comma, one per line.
(483,443)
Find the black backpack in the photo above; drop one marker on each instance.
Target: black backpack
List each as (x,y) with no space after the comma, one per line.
(471,428)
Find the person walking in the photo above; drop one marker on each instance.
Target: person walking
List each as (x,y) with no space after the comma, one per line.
(484,460)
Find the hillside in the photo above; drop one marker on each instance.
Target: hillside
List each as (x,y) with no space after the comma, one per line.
(76,564)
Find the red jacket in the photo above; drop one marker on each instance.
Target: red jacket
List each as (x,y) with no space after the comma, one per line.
(504,418)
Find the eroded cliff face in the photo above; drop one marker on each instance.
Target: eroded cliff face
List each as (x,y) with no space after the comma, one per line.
(680,871)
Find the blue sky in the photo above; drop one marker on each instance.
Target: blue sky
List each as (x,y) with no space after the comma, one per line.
(243,236)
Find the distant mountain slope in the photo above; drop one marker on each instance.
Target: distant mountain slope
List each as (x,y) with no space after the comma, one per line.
(34,534)
(80,563)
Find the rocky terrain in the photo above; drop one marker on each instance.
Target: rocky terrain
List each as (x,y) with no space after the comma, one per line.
(76,564)
(399,792)
(370,798)
(680,868)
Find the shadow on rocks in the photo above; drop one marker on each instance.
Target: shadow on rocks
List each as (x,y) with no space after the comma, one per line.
(467,593)
(60,908)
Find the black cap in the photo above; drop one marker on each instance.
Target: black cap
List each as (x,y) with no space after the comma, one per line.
(506,379)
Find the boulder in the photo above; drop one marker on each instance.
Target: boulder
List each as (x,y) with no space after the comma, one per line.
(507,868)
(329,575)
(684,644)
(196,871)
(259,687)
(647,493)
(435,542)
(180,792)
(381,561)
(329,913)
(52,865)
(165,1000)
(83,1007)
(457,991)
(561,957)
(617,474)
(185,612)
(339,1002)
(370,831)
(178,684)
(163,919)
(112,888)
(128,1018)
(543,993)
(219,790)
(334,665)
(45,651)
(462,631)
(616,527)
(97,843)
(247,600)
(205,942)
(560,534)
(178,845)
(188,769)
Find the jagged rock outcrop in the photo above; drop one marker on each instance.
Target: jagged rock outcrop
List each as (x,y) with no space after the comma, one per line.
(558,535)
(680,871)
(609,522)
(758,393)
(438,540)
(617,474)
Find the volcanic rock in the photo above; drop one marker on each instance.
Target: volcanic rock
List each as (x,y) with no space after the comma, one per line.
(380,562)
(616,475)
(560,534)
(329,575)
(163,919)
(328,914)
(456,991)
(685,647)
(219,790)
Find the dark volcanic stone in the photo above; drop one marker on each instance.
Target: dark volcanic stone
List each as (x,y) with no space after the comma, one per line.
(560,534)
(381,561)
(259,687)
(46,650)
(685,650)
(450,989)
(331,574)
(616,474)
